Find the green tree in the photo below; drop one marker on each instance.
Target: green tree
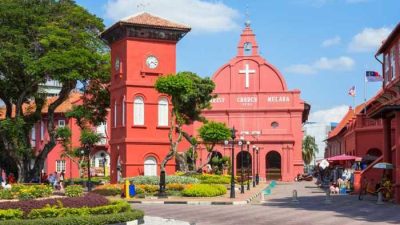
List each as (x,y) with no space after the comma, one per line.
(43,40)
(212,133)
(310,149)
(190,94)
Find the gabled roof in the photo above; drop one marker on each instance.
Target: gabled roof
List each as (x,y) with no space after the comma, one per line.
(342,124)
(74,97)
(389,40)
(147,19)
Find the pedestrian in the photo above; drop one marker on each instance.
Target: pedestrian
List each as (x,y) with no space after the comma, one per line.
(11,178)
(61,180)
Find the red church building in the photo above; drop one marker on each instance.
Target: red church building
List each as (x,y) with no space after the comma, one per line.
(252,96)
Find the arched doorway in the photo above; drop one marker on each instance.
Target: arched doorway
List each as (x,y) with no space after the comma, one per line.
(100,163)
(150,166)
(273,166)
(216,162)
(246,164)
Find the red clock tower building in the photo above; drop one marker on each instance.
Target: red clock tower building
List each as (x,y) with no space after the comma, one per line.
(143,47)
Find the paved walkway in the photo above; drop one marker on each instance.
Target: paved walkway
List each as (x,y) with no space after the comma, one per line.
(278,209)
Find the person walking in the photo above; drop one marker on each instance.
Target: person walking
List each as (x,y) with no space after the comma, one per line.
(61,180)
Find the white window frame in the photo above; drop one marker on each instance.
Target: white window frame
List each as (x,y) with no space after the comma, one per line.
(61,123)
(138,111)
(123,112)
(393,61)
(386,66)
(115,113)
(60,166)
(163,112)
(150,166)
(41,130)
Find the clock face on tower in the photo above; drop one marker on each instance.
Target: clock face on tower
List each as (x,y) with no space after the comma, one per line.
(152,62)
(117,64)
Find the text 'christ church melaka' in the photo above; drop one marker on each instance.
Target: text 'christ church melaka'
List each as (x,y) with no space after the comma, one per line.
(252,96)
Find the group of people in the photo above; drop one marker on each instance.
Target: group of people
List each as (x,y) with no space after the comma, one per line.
(55,179)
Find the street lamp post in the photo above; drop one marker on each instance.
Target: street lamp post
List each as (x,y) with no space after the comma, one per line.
(253,165)
(86,151)
(258,166)
(248,166)
(233,136)
(241,165)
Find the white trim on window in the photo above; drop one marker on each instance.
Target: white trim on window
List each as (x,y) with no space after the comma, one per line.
(60,166)
(115,113)
(123,111)
(61,123)
(163,112)
(138,111)
(41,130)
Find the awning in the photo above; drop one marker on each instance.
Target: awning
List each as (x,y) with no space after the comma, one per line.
(344,157)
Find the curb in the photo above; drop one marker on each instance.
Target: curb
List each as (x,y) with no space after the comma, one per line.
(243,202)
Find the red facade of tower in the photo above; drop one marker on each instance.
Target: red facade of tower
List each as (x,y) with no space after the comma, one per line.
(143,47)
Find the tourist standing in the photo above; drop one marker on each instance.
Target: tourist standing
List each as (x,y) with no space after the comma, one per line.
(61,178)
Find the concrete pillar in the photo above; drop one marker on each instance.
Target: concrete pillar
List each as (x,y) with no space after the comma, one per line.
(357,181)
(387,140)
(396,161)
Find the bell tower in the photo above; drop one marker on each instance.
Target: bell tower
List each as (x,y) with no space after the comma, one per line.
(143,47)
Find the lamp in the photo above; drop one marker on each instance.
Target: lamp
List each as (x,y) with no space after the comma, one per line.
(258,166)
(248,164)
(240,143)
(253,166)
(233,136)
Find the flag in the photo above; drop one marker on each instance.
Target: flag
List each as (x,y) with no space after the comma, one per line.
(352,91)
(373,76)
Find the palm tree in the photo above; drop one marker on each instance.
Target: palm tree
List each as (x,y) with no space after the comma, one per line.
(310,149)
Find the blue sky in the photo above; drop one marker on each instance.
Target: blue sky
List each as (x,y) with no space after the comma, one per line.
(322,47)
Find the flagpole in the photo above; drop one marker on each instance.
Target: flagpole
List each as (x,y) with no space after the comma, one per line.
(354,103)
(365,95)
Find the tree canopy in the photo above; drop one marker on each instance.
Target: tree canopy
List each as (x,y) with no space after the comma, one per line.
(43,40)
(310,149)
(190,94)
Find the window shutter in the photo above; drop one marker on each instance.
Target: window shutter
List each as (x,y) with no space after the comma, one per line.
(138,111)
(163,112)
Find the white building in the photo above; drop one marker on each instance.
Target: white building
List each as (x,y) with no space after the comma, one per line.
(320,132)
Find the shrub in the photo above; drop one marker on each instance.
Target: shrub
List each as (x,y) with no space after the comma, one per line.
(74,191)
(40,191)
(213,179)
(175,187)
(109,189)
(155,180)
(204,190)
(148,189)
(93,180)
(89,200)
(6,194)
(10,214)
(54,211)
(81,220)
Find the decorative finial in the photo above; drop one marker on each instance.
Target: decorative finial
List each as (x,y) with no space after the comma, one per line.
(247,23)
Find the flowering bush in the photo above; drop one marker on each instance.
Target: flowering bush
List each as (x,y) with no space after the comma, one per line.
(26,192)
(89,200)
(74,191)
(204,190)
(155,180)
(109,189)
(213,179)
(6,194)
(176,187)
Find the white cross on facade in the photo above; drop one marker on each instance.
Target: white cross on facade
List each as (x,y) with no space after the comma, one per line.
(247,71)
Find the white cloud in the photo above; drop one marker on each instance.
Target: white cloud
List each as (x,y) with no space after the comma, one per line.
(340,64)
(334,114)
(202,16)
(332,41)
(369,39)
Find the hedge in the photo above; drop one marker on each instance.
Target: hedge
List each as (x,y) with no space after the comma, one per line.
(74,191)
(204,190)
(10,214)
(81,220)
(48,212)
(213,179)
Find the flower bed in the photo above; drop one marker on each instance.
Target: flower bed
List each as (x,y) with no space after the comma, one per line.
(109,189)
(155,180)
(89,200)
(74,191)
(26,192)
(81,220)
(213,179)
(204,190)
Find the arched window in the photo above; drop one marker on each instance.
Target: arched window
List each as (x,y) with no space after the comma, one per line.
(123,111)
(150,166)
(163,112)
(115,113)
(138,111)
